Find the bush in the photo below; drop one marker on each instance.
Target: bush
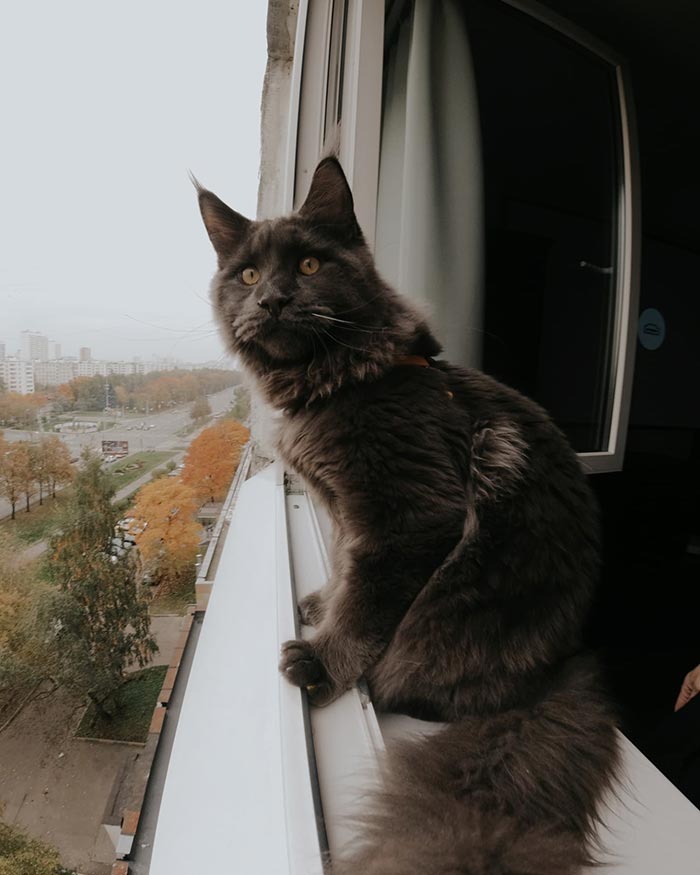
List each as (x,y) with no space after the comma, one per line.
(20,855)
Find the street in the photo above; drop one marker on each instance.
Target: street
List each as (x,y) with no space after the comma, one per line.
(161,432)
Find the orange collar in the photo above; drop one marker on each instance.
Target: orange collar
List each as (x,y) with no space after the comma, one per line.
(419,362)
(416,360)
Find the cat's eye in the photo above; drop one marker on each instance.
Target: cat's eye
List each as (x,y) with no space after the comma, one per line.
(250,275)
(309,265)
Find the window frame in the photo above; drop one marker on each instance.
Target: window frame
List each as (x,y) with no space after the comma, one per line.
(624,329)
(357,141)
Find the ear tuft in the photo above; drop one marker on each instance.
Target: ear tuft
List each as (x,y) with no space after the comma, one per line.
(329,201)
(195,182)
(225,227)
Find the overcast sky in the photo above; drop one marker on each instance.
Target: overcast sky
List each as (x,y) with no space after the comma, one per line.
(104,107)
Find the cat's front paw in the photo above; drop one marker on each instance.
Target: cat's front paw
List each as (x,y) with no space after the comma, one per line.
(302,667)
(311,609)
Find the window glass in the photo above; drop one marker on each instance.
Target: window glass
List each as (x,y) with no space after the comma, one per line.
(521,221)
(548,111)
(336,67)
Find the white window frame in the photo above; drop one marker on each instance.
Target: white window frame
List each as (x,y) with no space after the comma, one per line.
(628,249)
(359,137)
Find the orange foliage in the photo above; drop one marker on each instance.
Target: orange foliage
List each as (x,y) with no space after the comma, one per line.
(168,543)
(20,410)
(213,457)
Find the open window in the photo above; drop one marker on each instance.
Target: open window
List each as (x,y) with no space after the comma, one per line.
(505,203)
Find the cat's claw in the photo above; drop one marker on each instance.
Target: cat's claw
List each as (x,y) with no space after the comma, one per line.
(302,667)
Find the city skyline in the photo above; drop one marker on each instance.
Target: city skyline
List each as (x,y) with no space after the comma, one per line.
(50,349)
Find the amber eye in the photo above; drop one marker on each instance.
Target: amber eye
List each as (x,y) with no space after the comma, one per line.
(309,265)
(250,275)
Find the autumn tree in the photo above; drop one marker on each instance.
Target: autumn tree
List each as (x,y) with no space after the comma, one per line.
(153,391)
(168,534)
(57,463)
(20,410)
(105,625)
(200,409)
(23,460)
(213,457)
(37,460)
(14,461)
(29,646)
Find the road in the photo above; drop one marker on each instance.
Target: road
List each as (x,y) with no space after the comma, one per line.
(163,435)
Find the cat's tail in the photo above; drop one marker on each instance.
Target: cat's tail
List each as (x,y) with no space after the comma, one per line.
(515,793)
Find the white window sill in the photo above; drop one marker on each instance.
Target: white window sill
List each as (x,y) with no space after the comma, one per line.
(258,783)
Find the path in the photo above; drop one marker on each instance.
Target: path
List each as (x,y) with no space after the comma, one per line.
(60,789)
(38,549)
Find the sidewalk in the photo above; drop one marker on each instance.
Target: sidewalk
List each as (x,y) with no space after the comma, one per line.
(62,789)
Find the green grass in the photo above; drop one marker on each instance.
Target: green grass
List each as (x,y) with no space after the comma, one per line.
(41,521)
(136,699)
(123,473)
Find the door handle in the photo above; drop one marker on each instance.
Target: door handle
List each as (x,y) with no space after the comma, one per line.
(595,267)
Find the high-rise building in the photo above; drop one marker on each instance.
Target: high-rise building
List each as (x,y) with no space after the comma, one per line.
(2,352)
(85,354)
(17,375)
(35,346)
(56,350)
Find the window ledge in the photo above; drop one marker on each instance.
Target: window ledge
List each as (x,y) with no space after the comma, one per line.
(257,782)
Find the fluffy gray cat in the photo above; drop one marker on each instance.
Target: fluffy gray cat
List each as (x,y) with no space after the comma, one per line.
(466,554)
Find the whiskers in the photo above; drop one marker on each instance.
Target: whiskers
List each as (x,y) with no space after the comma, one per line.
(349,325)
(329,334)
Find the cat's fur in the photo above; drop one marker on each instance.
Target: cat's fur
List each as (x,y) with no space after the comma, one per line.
(466,553)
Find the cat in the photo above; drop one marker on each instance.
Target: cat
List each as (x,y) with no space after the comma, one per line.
(465,559)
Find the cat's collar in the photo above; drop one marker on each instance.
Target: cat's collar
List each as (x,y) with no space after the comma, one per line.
(417,360)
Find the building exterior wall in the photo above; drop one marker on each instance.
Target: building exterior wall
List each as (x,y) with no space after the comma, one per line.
(17,375)
(35,346)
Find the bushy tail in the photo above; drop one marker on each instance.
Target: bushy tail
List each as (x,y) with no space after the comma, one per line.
(514,793)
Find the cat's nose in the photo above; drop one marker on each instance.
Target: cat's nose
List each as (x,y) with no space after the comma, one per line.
(273,303)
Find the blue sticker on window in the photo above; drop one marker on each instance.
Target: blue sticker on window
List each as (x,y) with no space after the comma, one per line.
(652,329)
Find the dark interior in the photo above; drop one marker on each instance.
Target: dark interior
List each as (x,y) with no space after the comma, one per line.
(548,318)
(647,616)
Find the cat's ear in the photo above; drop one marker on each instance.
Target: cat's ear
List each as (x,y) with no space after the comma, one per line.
(329,201)
(225,226)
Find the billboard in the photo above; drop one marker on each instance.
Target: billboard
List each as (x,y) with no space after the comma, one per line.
(115,448)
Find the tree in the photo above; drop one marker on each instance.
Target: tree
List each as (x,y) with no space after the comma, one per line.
(13,470)
(200,409)
(240,407)
(21,855)
(168,534)
(105,626)
(23,462)
(213,457)
(20,410)
(29,646)
(58,468)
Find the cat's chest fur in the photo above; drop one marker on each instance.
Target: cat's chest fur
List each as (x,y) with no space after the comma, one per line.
(307,443)
(402,428)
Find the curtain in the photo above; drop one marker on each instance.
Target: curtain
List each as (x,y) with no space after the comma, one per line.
(429,240)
